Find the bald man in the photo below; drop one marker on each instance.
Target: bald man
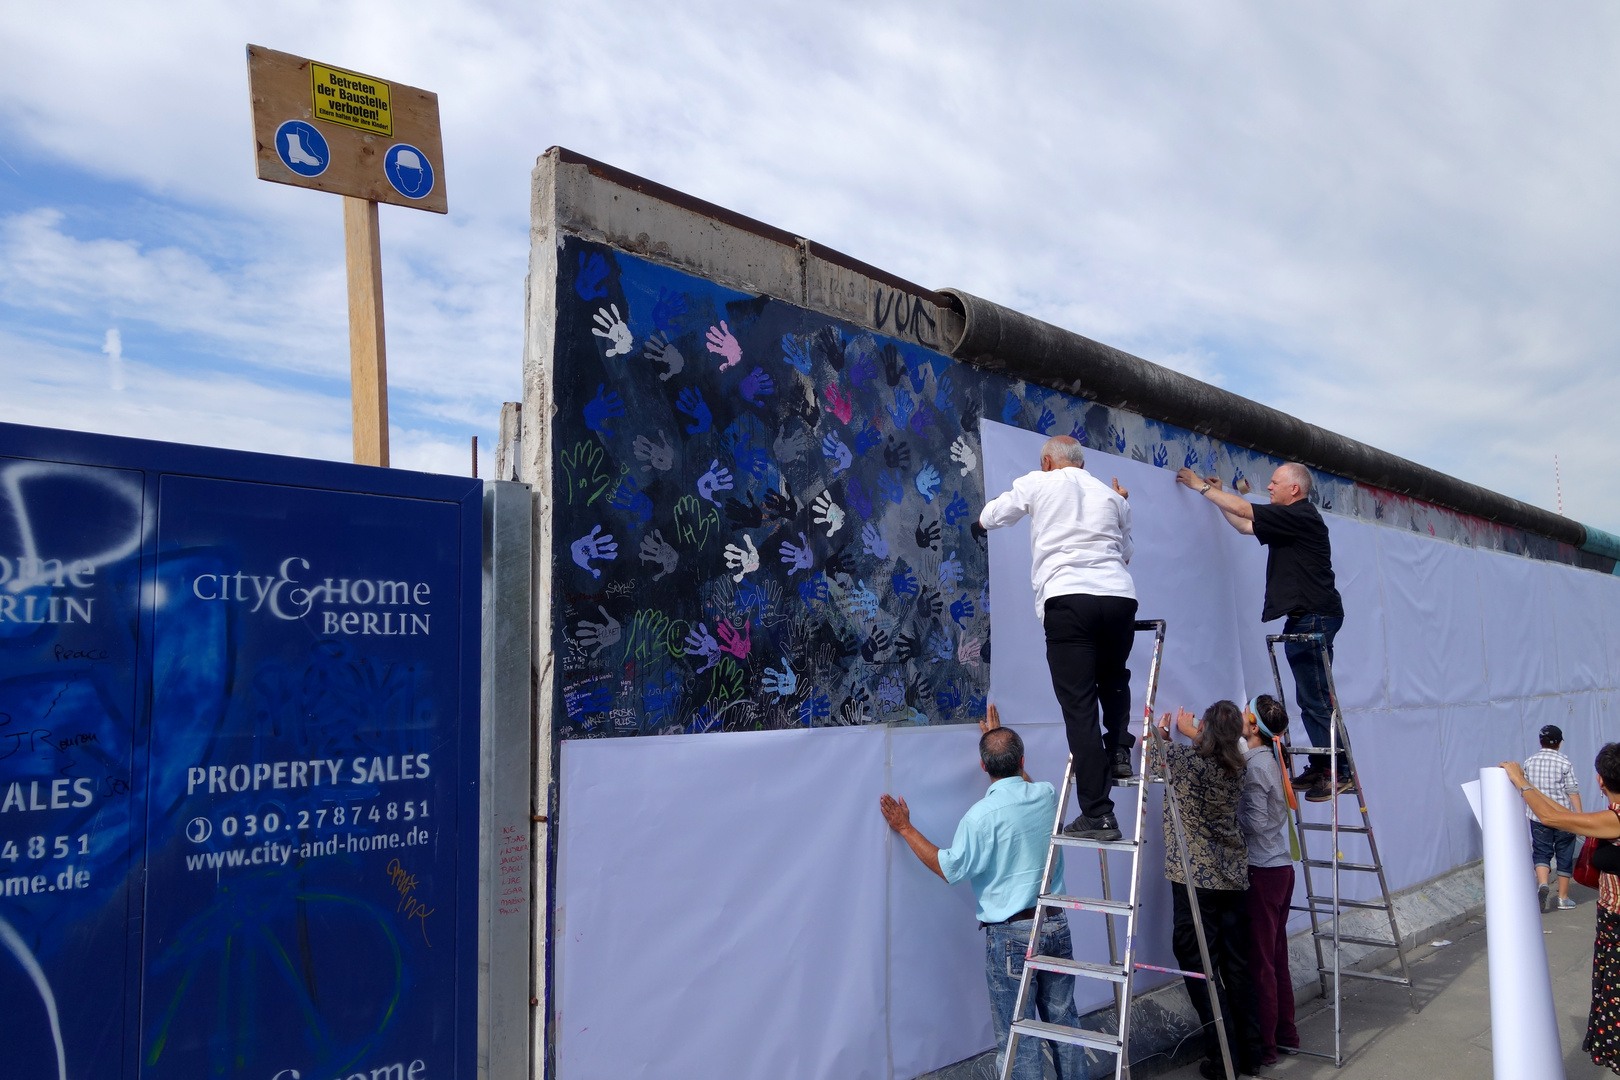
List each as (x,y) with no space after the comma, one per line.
(1300,588)
(1080,543)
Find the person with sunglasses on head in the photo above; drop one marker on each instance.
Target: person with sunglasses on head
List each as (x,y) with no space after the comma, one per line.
(1263,815)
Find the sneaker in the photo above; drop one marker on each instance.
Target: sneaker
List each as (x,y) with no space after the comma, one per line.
(1322,790)
(1565,904)
(1541,898)
(1122,763)
(1307,779)
(1097,828)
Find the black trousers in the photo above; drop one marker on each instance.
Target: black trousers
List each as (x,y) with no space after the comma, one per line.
(1088,641)
(1226,927)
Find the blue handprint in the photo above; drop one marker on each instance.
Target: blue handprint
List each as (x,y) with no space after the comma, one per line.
(872,539)
(962,609)
(668,310)
(862,601)
(942,394)
(629,496)
(956,510)
(739,441)
(923,419)
(1161,455)
(919,375)
(755,385)
(950,572)
(814,589)
(692,404)
(867,438)
(1046,421)
(834,450)
(1117,437)
(590,699)
(1192,457)
(863,371)
(605,406)
(902,408)
(1010,411)
(796,353)
(813,708)
(939,647)
(927,482)
(1078,433)
(948,698)
(890,485)
(856,496)
(904,581)
(664,701)
(592,269)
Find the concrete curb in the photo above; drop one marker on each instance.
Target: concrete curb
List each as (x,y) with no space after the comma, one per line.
(1163,1018)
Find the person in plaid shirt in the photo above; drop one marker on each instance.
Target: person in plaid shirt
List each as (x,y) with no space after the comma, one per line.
(1552,774)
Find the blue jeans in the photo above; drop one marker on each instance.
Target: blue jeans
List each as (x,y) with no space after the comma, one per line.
(1310,681)
(1005,945)
(1552,846)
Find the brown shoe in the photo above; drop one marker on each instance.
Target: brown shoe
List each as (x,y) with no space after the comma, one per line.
(1322,791)
(1307,779)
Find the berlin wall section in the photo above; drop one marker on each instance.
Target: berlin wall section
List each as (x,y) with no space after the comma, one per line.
(239,764)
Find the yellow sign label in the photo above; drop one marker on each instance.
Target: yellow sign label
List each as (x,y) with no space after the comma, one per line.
(357,101)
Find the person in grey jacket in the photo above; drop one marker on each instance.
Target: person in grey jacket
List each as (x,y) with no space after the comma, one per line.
(1262,814)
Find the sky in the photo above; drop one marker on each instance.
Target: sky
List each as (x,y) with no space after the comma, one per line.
(1396,221)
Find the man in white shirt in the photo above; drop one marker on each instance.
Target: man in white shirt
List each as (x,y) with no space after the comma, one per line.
(1080,541)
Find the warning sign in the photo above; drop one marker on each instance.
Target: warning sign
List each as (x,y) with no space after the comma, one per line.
(357,101)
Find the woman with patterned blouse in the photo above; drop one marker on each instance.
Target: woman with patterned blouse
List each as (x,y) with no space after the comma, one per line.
(1207,778)
(1603,1024)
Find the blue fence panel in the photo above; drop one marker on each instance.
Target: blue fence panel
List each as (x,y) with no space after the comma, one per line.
(238,764)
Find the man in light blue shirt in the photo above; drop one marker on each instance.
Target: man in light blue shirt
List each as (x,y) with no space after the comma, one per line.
(1000,848)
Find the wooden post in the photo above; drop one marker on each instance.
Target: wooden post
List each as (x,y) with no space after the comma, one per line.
(368,365)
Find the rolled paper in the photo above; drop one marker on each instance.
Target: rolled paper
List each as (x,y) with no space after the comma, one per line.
(1524,1025)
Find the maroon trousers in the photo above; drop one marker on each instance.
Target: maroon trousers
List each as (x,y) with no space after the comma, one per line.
(1270,890)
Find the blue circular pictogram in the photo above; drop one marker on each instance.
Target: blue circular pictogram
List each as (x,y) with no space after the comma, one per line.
(409,170)
(302,148)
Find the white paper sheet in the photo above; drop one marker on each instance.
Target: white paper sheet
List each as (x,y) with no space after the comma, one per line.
(1524,1025)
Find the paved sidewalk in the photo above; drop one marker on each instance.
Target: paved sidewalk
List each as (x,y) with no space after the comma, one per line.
(1450,1037)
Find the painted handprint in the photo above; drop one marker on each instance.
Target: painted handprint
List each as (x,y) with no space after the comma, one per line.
(700,643)
(853,710)
(927,535)
(585,473)
(906,647)
(718,478)
(840,564)
(735,641)
(875,646)
(605,406)
(668,310)
(613,330)
(839,403)
(692,404)
(922,419)
(891,486)
(1078,433)
(594,546)
(781,683)
(1161,456)
(970,413)
(829,345)
(1192,458)
(828,512)
(740,560)
(694,522)
(593,268)
(929,604)
(950,572)
(723,344)
(949,698)
(872,539)
(790,445)
(857,497)
(903,581)
(939,647)
(655,550)
(1012,409)
(587,699)
(814,588)
(755,385)
(927,482)
(659,455)
(862,371)
(942,394)
(962,609)
(796,354)
(629,497)
(600,635)
(862,601)
(1046,422)
(902,408)
(962,453)
(968,651)
(893,365)
(957,510)
(834,450)
(744,515)
(798,556)
(866,438)
(744,440)
(783,505)
(1116,435)
(813,708)
(658,350)
(896,455)
(919,378)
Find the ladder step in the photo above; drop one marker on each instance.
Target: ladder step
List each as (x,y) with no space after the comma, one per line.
(1324,750)
(1084,969)
(1085,903)
(1135,780)
(1040,1029)
(1368,905)
(1106,845)
(1328,864)
(1318,827)
(1369,975)
(1348,939)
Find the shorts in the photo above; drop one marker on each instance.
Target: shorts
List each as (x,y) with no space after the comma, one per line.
(1547,842)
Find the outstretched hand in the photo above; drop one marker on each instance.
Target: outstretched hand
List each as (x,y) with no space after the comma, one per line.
(992,719)
(895,812)
(1124,493)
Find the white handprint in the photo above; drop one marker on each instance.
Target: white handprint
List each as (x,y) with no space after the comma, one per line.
(613,328)
(744,562)
(831,514)
(962,452)
(600,634)
(593,546)
(655,550)
(659,455)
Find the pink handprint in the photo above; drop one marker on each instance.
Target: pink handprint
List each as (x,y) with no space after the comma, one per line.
(839,403)
(735,642)
(722,343)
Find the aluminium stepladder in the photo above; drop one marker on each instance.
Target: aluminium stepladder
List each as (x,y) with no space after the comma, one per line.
(1120,969)
(1338,738)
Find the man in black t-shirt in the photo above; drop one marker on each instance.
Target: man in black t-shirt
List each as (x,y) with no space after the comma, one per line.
(1300,588)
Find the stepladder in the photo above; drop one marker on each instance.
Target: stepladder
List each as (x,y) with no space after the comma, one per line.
(1326,909)
(1053,902)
